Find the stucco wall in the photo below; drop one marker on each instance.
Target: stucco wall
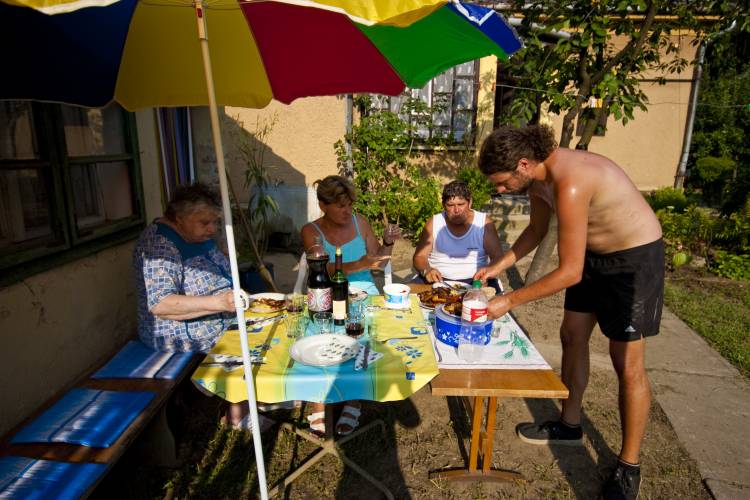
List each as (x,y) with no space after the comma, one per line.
(57,323)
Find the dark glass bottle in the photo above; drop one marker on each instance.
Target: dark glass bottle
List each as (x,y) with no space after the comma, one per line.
(340,287)
(319,293)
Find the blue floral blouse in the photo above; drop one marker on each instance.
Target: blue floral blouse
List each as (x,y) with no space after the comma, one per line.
(165,264)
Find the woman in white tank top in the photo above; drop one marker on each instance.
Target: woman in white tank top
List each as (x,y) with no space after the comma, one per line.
(457,242)
(458,257)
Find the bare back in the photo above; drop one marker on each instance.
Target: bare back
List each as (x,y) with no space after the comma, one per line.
(618,215)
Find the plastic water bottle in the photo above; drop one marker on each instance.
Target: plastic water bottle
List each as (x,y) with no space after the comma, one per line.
(473,316)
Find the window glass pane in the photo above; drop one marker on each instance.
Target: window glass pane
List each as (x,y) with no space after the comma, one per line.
(465,69)
(17,137)
(444,82)
(98,131)
(102,193)
(463,96)
(461,125)
(24,207)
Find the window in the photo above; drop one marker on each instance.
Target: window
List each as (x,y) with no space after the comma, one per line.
(452,97)
(68,183)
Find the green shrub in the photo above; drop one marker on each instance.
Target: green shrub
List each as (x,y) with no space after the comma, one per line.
(732,266)
(481,188)
(389,185)
(668,197)
(692,231)
(711,169)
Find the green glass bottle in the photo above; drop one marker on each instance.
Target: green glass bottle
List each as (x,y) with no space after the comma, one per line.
(340,289)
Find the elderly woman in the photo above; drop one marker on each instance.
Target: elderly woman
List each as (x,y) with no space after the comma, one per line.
(183,281)
(361,253)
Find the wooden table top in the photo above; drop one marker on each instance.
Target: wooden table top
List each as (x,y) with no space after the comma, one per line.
(499,383)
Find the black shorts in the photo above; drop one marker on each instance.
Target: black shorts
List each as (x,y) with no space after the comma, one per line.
(624,289)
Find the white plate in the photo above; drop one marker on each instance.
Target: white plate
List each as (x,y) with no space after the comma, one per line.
(266,295)
(356,293)
(324,350)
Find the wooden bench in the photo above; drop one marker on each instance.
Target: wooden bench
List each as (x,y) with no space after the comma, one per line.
(151,420)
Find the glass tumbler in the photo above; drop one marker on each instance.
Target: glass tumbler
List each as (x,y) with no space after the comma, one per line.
(295,325)
(323,322)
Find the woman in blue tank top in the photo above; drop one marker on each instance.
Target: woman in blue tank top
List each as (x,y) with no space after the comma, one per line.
(361,252)
(339,226)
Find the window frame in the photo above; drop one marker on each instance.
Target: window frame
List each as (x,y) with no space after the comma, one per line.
(428,143)
(70,243)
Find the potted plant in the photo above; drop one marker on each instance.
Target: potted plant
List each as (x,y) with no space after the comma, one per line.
(261,207)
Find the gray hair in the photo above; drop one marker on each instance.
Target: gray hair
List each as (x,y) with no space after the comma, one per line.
(187,199)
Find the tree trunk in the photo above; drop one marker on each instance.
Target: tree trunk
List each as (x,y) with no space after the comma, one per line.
(543,253)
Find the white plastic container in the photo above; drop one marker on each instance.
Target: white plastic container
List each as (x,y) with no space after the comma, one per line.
(396,296)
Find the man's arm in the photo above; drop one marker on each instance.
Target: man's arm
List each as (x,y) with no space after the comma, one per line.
(184,307)
(422,252)
(572,211)
(539,217)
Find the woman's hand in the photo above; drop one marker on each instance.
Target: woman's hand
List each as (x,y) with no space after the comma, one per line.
(373,262)
(225,301)
(432,275)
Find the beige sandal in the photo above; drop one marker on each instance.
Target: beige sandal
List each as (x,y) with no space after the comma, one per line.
(319,428)
(351,421)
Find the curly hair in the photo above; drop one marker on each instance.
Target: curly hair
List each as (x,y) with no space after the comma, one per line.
(335,189)
(456,189)
(187,198)
(506,145)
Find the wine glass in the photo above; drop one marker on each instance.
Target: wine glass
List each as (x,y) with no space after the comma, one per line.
(392,232)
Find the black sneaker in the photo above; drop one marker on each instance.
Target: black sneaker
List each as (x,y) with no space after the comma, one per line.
(624,483)
(552,432)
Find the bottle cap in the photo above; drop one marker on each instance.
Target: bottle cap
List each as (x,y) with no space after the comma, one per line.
(476,284)
(338,250)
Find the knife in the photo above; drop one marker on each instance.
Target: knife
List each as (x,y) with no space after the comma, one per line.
(366,356)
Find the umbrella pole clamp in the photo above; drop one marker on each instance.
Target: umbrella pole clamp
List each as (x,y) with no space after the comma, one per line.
(329,445)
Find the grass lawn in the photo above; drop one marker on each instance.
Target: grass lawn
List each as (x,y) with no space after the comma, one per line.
(717,308)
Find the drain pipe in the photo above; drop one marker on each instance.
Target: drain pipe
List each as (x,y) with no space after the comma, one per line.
(348,123)
(679,179)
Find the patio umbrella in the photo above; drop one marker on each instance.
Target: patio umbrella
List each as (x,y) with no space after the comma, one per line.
(146,53)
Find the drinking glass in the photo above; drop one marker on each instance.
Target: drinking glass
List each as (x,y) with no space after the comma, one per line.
(355,325)
(392,232)
(295,302)
(295,325)
(323,321)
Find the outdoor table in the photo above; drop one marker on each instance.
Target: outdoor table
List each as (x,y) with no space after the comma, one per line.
(407,364)
(489,384)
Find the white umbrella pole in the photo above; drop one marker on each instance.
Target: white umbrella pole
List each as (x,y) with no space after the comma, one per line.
(216,133)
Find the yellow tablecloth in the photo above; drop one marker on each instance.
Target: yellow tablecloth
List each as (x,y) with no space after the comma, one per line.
(407,364)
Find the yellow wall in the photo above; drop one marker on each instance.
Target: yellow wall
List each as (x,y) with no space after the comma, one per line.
(58,323)
(649,147)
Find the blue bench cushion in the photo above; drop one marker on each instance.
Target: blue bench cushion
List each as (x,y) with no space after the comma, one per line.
(28,478)
(86,417)
(136,360)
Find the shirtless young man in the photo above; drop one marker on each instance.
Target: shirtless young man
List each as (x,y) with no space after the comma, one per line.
(611,262)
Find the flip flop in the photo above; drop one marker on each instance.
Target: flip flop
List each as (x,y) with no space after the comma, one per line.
(352,422)
(319,429)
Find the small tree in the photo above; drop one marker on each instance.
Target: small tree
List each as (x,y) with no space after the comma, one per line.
(389,185)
